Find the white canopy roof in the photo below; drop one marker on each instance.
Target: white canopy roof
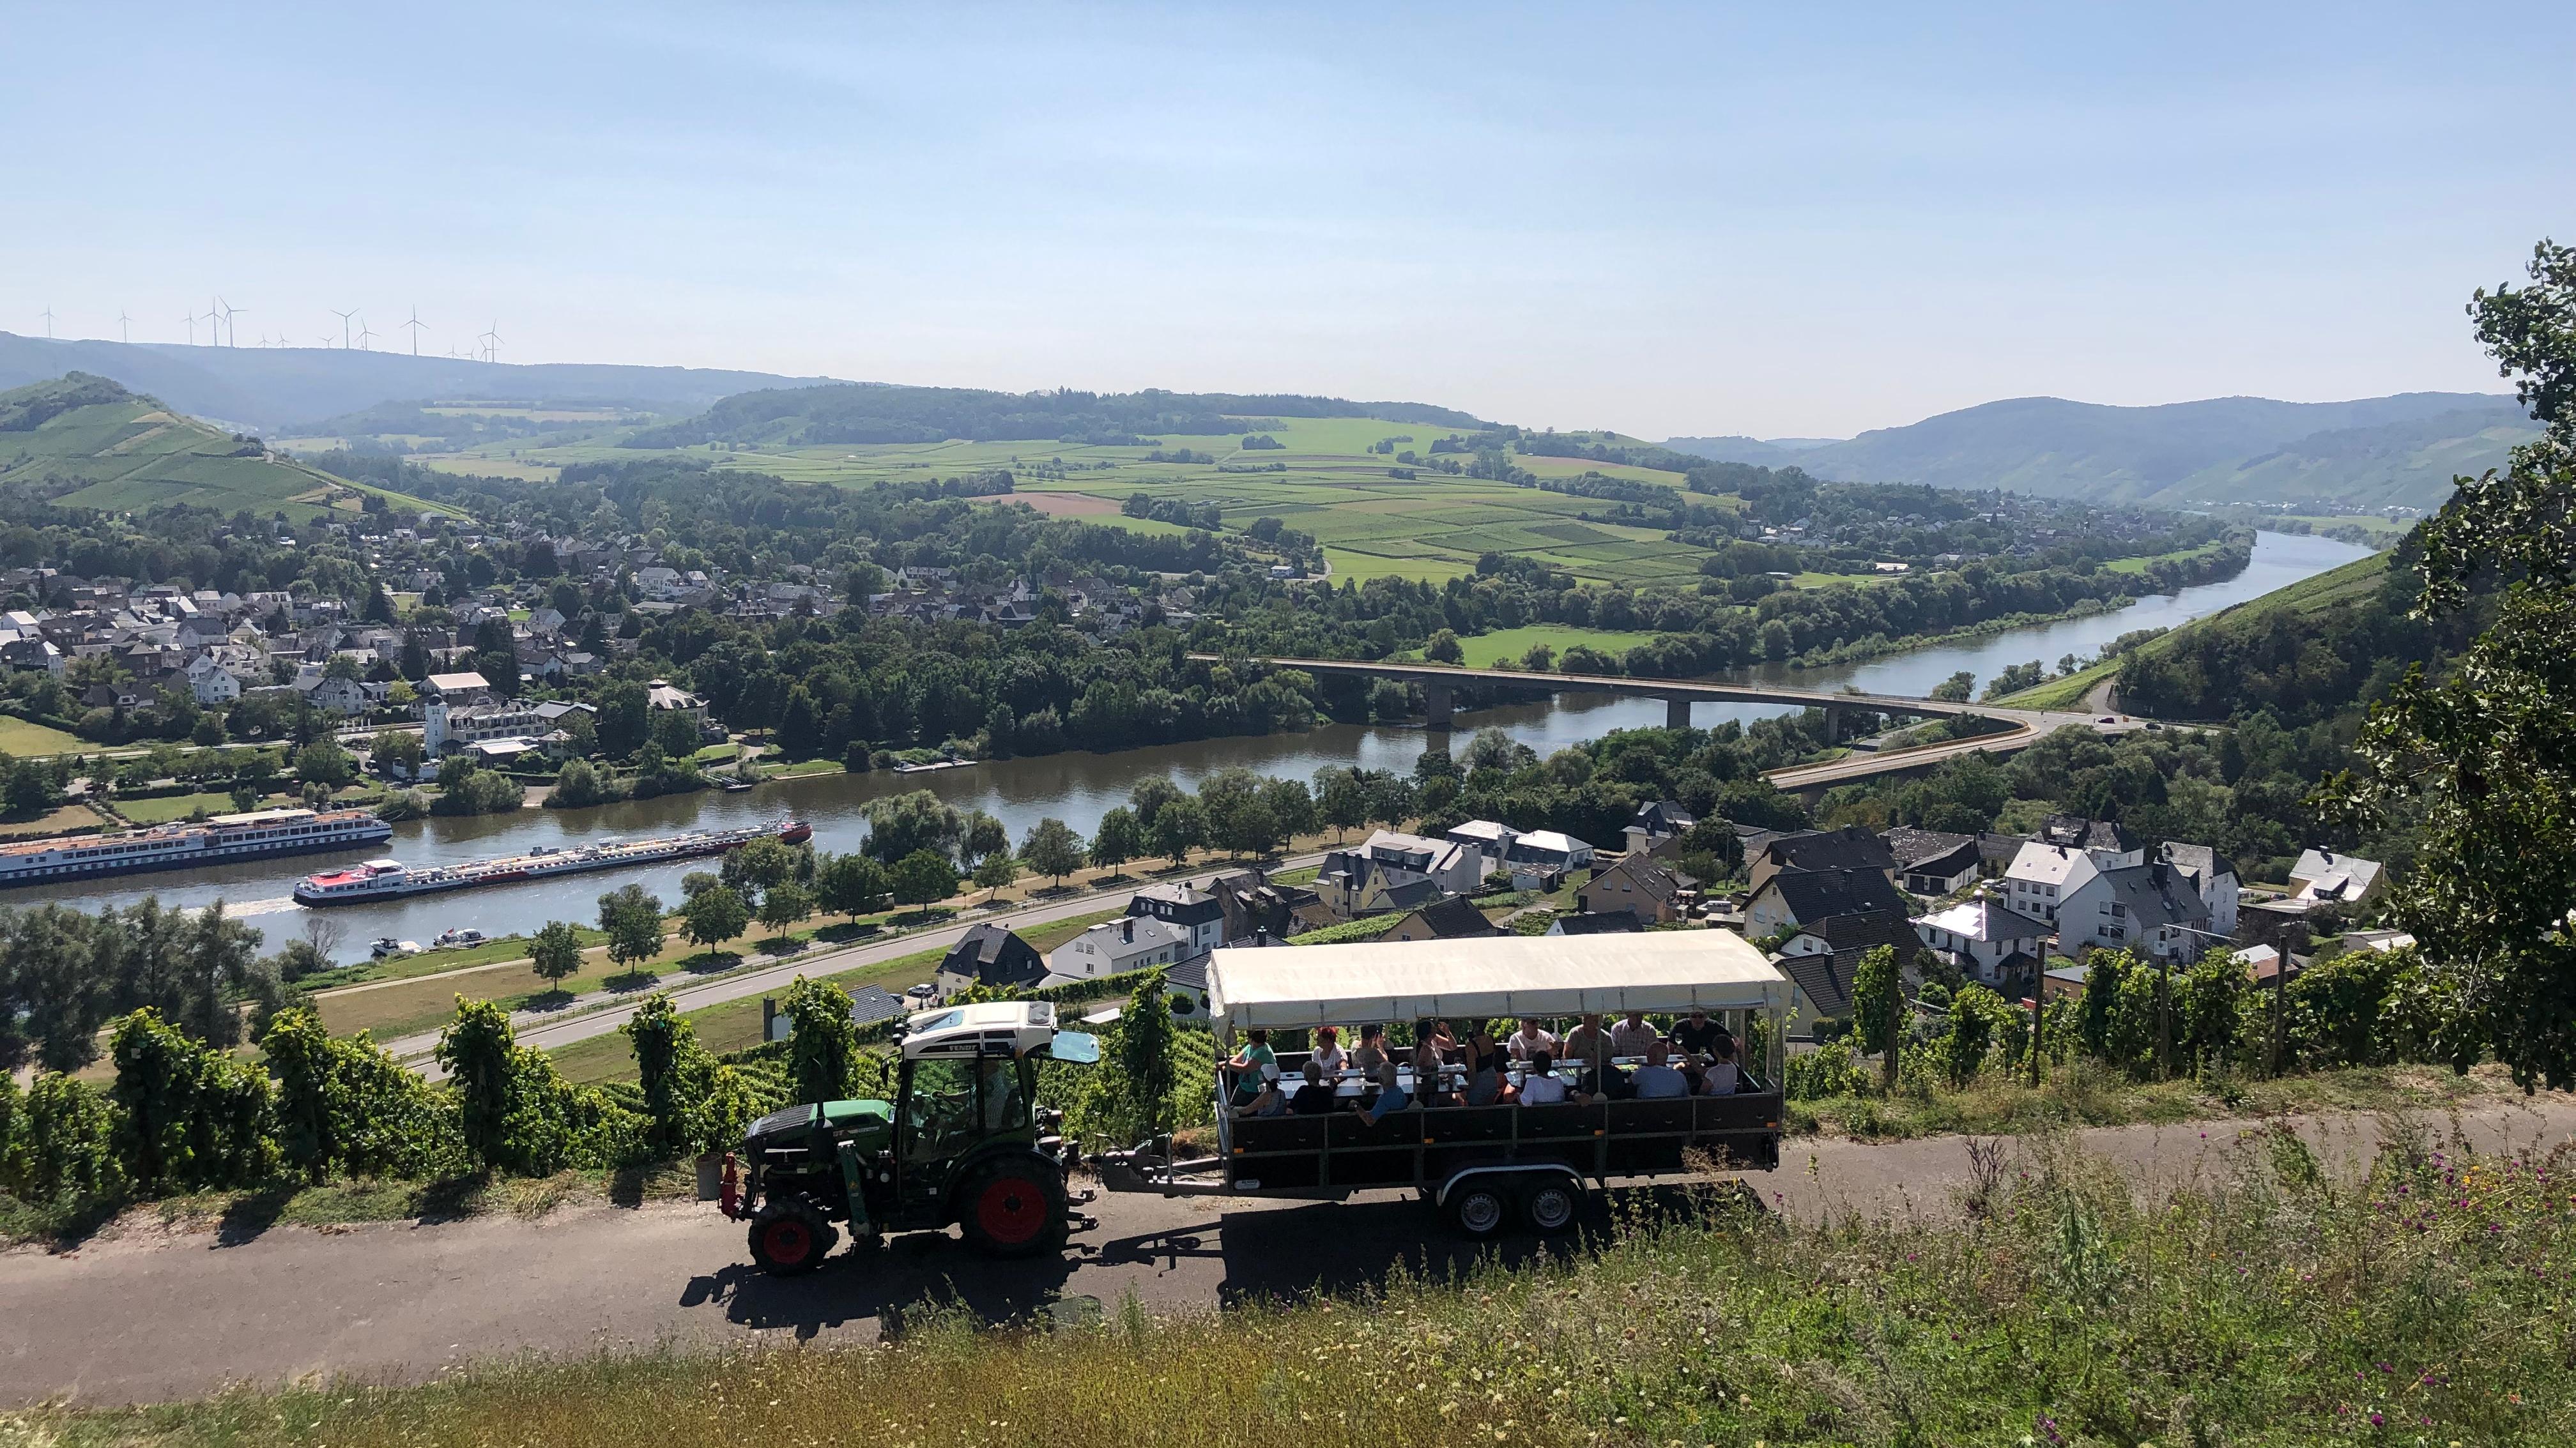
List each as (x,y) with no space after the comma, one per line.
(1543,975)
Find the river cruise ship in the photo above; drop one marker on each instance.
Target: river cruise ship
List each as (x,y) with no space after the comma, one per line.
(219,840)
(392,879)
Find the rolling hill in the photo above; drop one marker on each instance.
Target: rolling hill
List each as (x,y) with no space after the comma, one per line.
(88,442)
(267,388)
(2367,453)
(847,413)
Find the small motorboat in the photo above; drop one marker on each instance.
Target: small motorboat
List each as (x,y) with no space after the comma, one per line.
(451,938)
(384,945)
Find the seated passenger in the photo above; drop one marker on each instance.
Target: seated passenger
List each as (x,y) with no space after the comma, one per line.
(1272,1100)
(1445,1041)
(1698,1035)
(1247,1066)
(1531,1039)
(1427,1086)
(1539,1086)
(1587,1046)
(1315,1095)
(1722,1078)
(1328,1051)
(1632,1036)
(1390,1090)
(1656,1080)
(1371,1051)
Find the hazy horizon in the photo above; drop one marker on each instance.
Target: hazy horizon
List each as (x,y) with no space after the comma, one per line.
(1667,222)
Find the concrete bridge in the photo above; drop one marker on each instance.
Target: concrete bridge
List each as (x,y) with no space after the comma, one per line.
(1440,683)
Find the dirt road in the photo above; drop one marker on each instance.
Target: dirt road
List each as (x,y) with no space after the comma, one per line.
(152,1316)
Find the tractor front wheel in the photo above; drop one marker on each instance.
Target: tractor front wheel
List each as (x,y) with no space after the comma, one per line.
(1014,1209)
(790,1238)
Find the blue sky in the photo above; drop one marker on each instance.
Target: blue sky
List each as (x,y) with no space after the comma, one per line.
(1660,219)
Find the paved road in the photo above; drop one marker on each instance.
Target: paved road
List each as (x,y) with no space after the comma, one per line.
(548,1030)
(156,1316)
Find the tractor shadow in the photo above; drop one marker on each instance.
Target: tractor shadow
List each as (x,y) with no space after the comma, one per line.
(1332,1249)
(902,1278)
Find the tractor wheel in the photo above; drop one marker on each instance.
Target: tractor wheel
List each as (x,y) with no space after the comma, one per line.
(1550,1206)
(789,1238)
(1014,1209)
(1478,1209)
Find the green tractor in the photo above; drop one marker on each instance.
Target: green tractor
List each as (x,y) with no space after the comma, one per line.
(963,1141)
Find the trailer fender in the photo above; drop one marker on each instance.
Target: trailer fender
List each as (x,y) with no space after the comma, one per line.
(1507,1169)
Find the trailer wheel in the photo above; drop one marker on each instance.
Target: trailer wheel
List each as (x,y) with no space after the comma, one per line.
(1478,1210)
(789,1238)
(1550,1205)
(1014,1209)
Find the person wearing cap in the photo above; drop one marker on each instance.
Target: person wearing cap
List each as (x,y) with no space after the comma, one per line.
(1273,1100)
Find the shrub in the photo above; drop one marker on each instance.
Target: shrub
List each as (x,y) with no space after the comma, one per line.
(1829,1070)
(517,1113)
(692,1101)
(348,1106)
(191,1116)
(823,1047)
(58,1142)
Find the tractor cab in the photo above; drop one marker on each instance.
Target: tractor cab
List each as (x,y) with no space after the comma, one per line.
(964,1141)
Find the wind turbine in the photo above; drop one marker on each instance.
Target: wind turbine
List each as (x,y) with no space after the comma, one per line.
(124,329)
(191,320)
(365,335)
(491,340)
(49,321)
(344,324)
(231,337)
(414,325)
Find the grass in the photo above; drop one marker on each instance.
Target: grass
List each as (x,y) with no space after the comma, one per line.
(735,1024)
(23,737)
(55,821)
(1506,646)
(162,809)
(2065,693)
(2411,1292)
(2087,1094)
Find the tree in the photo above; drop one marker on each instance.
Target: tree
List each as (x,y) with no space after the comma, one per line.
(709,918)
(1957,689)
(762,865)
(923,878)
(633,919)
(1878,1008)
(1179,827)
(782,905)
(1052,848)
(396,750)
(555,953)
(900,824)
(1342,799)
(1150,795)
(1117,840)
(625,718)
(2485,754)
(324,762)
(822,1042)
(675,732)
(996,872)
(984,837)
(1145,1065)
(1443,648)
(849,884)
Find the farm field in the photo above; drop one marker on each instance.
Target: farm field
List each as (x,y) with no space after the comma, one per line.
(1510,644)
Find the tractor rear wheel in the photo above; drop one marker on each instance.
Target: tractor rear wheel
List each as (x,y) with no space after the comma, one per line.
(1014,1209)
(790,1238)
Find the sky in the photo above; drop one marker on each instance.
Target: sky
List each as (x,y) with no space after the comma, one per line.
(1698,220)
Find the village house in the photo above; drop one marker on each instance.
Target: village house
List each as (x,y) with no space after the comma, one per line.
(1642,885)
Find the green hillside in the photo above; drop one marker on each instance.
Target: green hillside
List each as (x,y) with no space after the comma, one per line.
(89,443)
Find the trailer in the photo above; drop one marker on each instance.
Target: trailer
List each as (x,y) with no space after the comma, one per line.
(1483,1168)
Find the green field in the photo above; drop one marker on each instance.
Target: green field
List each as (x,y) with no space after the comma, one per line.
(132,453)
(1507,645)
(23,737)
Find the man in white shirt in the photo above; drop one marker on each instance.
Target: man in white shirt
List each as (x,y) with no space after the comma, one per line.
(1656,1080)
(1539,1087)
(1530,1041)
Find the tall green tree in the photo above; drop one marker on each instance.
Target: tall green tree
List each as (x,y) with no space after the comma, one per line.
(712,917)
(1178,828)
(2484,750)
(1878,1008)
(1118,839)
(851,884)
(923,877)
(781,906)
(632,916)
(554,953)
(1052,848)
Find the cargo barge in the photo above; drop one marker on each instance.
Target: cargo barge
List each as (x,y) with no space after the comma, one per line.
(392,880)
(220,840)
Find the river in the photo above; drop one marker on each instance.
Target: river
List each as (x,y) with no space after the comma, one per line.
(1079,788)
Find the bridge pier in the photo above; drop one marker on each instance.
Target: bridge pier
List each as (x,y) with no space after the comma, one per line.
(1677,713)
(1437,705)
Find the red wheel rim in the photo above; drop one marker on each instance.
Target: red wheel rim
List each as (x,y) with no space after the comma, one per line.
(788,1241)
(1012,1210)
